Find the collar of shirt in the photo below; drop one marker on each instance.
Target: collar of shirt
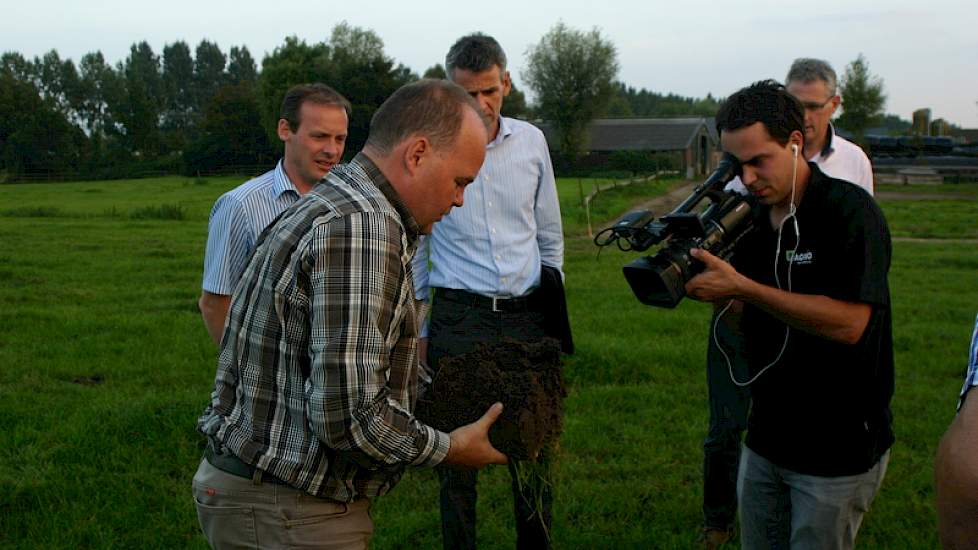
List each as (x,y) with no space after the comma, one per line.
(282,183)
(505,130)
(828,149)
(411,227)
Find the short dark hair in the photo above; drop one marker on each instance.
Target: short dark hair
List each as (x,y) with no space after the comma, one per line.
(767,102)
(317,93)
(476,52)
(429,107)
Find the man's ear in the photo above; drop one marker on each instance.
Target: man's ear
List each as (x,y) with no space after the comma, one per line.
(283,130)
(835,101)
(797,138)
(507,84)
(416,154)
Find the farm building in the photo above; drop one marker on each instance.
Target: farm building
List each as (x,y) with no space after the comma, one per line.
(693,141)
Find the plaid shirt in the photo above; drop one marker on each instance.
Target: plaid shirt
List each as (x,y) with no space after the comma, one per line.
(318,371)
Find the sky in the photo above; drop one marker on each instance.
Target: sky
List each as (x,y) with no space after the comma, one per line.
(926,53)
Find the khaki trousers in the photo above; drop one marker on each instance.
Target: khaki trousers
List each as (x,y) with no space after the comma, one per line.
(234,512)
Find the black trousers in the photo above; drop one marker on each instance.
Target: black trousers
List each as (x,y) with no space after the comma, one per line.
(729,407)
(457,328)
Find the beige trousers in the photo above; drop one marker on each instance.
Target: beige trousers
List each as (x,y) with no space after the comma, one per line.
(234,512)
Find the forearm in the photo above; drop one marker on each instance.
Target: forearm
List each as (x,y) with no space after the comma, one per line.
(956,477)
(836,320)
(214,311)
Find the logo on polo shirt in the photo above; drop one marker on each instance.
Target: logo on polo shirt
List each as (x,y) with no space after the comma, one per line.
(799,258)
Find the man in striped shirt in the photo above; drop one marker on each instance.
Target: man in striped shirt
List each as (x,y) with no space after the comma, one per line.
(486,262)
(313,127)
(311,414)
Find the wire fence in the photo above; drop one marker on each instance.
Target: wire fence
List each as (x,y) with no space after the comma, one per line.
(598,189)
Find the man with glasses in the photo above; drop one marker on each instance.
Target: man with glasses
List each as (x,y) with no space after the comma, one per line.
(813,83)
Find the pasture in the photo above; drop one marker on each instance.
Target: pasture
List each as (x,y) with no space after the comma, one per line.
(105,366)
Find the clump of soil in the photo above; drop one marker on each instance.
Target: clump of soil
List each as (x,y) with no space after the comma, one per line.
(526,378)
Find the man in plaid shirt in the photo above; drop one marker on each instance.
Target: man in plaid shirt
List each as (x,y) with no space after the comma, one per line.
(311,414)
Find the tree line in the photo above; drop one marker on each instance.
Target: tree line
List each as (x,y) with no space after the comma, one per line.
(198,111)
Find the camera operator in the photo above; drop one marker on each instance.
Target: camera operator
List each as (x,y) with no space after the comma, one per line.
(813,82)
(808,289)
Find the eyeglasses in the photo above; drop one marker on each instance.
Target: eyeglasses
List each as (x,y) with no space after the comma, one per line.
(812,106)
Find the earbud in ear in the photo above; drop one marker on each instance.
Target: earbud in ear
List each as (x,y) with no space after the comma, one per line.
(794,149)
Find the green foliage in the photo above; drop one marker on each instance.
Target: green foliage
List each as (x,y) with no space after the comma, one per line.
(241,67)
(571,72)
(436,71)
(231,133)
(514,106)
(862,98)
(106,367)
(629,102)
(34,136)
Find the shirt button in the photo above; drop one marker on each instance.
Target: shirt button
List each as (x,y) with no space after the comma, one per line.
(498,257)
(493,229)
(490,203)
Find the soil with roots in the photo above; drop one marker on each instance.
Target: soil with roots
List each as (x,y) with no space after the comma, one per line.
(527,378)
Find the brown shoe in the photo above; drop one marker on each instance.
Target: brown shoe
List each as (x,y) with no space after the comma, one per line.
(711,537)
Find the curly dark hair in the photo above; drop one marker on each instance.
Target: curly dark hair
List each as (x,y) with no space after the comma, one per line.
(766,102)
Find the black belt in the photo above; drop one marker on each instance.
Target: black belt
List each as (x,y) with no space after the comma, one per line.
(492,303)
(227,462)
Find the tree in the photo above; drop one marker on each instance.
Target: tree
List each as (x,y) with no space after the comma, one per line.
(139,109)
(180,109)
(34,136)
(292,63)
(571,73)
(361,71)
(514,106)
(862,98)
(436,71)
(241,67)
(209,63)
(231,133)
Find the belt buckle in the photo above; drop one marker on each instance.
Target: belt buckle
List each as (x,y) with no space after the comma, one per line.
(495,307)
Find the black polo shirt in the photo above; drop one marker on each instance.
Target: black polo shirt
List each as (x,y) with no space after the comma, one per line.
(823,408)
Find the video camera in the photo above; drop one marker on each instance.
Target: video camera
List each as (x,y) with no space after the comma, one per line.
(660,280)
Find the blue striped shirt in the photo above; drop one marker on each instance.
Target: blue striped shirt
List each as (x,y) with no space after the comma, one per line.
(236,220)
(510,222)
(971,379)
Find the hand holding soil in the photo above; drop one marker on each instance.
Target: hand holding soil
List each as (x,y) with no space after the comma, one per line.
(470,443)
(525,377)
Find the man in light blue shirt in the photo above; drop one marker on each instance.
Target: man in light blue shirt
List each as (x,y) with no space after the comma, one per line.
(313,127)
(481,265)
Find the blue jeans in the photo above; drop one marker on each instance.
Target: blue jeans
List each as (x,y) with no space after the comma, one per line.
(729,405)
(780,508)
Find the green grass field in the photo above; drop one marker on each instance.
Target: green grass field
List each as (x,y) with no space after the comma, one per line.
(105,366)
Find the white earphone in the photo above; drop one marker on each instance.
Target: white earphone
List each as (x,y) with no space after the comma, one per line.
(794,149)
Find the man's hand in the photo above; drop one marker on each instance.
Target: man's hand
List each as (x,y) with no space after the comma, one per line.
(470,443)
(719,281)
(837,320)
